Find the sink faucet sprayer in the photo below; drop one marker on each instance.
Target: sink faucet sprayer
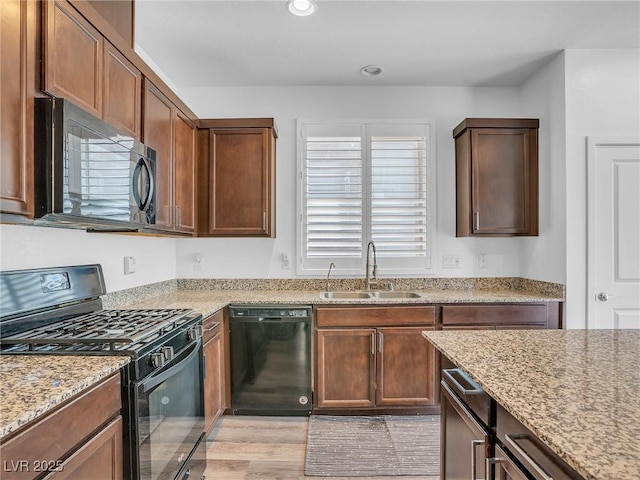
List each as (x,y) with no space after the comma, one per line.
(329,273)
(368,281)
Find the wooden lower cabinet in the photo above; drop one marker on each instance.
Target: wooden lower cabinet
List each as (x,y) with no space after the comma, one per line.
(346,368)
(81,438)
(100,457)
(374,358)
(213,370)
(502,316)
(405,367)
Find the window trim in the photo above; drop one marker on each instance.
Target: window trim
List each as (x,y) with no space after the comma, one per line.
(430,127)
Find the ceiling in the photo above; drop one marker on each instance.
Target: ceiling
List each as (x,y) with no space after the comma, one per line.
(212,43)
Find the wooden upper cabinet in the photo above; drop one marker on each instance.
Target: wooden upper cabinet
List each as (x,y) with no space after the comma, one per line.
(158,118)
(119,15)
(73,57)
(496,177)
(82,66)
(17,86)
(122,91)
(184,173)
(240,164)
(173,136)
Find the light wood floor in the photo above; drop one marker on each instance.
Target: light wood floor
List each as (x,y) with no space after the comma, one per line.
(244,447)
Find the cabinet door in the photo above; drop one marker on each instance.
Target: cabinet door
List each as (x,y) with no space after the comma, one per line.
(465,443)
(240,181)
(346,368)
(122,91)
(406,362)
(213,365)
(158,134)
(101,453)
(73,52)
(17,64)
(503,180)
(184,163)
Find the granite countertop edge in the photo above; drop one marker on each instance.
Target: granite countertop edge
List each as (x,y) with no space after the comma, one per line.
(33,385)
(208,302)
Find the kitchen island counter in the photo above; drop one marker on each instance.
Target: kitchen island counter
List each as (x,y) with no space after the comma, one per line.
(32,385)
(577,390)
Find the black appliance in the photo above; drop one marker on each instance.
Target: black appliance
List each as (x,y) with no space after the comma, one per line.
(58,311)
(270,348)
(89,174)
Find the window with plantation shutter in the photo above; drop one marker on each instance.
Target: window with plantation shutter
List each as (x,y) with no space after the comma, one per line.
(362,181)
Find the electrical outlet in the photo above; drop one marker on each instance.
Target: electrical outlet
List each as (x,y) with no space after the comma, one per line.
(129,265)
(482,260)
(451,261)
(198,263)
(286,262)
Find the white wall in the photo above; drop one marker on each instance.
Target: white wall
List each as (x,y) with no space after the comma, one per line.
(260,258)
(602,98)
(35,247)
(543,96)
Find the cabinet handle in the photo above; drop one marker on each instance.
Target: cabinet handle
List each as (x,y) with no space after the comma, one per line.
(373,343)
(380,342)
(264,220)
(511,439)
(490,462)
(204,367)
(476,218)
(476,390)
(179,215)
(474,461)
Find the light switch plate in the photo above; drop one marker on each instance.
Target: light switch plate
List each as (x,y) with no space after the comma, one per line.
(451,261)
(129,265)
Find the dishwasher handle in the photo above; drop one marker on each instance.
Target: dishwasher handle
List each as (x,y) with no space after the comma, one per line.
(270,319)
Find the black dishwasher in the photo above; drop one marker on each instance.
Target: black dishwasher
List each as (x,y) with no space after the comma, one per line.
(270,350)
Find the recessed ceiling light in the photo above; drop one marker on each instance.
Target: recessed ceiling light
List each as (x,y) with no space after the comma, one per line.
(302,8)
(371,70)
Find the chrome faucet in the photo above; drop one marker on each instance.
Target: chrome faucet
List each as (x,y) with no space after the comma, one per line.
(371,280)
(329,273)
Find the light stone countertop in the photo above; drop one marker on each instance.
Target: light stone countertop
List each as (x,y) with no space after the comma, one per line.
(31,385)
(208,302)
(578,390)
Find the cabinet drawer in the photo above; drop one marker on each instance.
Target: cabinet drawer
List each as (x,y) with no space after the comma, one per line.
(212,326)
(528,314)
(538,460)
(374,316)
(53,437)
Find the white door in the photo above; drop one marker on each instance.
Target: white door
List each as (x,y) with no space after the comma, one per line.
(613,284)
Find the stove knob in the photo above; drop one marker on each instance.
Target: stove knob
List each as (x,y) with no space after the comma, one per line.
(167,352)
(157,359)
(194,333)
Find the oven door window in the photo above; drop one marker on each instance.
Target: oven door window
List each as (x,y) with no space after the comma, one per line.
(170,415)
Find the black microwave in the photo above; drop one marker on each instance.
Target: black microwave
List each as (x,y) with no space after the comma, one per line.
(89,174)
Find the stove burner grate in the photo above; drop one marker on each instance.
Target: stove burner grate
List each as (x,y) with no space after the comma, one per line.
(101,330)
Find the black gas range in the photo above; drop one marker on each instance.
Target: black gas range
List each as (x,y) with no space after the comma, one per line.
(58,311)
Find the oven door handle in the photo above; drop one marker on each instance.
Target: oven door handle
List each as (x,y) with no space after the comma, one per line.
(160,377)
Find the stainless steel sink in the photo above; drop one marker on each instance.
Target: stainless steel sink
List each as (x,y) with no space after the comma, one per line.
(373,294)
(394,294)
(345,295)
